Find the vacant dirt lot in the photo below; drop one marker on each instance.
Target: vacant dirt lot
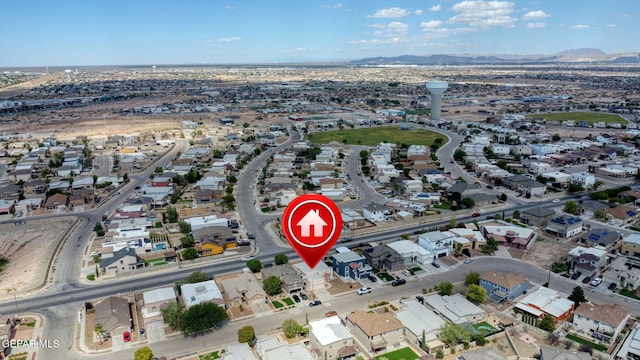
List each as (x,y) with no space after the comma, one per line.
(545,252)
(29,247)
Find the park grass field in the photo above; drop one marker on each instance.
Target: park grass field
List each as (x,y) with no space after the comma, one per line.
(375,135)
(591,117)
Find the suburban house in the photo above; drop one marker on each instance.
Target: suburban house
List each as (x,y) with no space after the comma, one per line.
(316,278)
(565,226)
(623,213)
(630,349)
(437,243)
(350,265)
(330,337)
(154,301)
(622,273)
(383,257)
(57,201)
(114,314)
(412,253)
(273,348)
(200,293)
(503,286)
(376,213)
(292,282)
(418,320)
(485,353)
(537,216)
(376,332)
(545,301)
(600,237)
(242,288)
(631,246)
(507,234)
(241,351)
(601,322)
(455,308)
(214,240)
(553,353)
(123,260)
(587,260)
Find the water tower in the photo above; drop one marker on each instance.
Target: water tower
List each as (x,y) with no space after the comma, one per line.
(436,88)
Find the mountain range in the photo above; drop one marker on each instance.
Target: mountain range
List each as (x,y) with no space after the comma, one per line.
(582,55)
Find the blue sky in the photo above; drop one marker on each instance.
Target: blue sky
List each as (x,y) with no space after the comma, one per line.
(116,32)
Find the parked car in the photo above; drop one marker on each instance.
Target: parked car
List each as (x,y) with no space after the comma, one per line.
(576,275)
(126,336)
(406,272)
(296,298)
(596,282)
(612,286)
(315,303)
(475,214)
(435,264)
(555,201)
(331,313)
(373,278)
(364,290)
(398,282)
(586,280)
(304,296)
(468,260)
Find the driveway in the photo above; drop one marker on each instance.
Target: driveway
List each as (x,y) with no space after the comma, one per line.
(155,334)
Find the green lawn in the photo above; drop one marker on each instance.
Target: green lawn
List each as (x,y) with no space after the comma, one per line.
(400,354)
(591,117)
(485,328)
(288,301)
(385,277)
(211,355)
(630,294)
(375,135)
(153,261)
(580,340)
(277,304)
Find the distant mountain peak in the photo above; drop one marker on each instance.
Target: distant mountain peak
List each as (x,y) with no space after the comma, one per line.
(582,53)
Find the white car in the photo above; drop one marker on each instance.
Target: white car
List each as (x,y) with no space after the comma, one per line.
(247,258)
(468,260)
(556,201)
(364,290)
(596,281)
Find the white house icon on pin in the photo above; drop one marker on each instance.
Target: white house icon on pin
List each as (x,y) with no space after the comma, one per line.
(312,218)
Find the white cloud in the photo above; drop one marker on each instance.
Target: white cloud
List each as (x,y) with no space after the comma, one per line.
(332,6)
(393,40)
(229,39)
(579,27)
(534,15)
(611,25)
(394,12)
(435,8)
(535,25)
(229,7)
(419,12)
(430,25)
(484,14)
(300,49)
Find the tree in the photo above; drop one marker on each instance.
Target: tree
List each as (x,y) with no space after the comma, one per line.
(185,227)
(172,314)
(187,242)
(459,155)
(489,247)
(472,278)
(99,229)
(98,330)
(556,137)
(254,265)
(577,296)
(439,354)
(516,214)
(281,259)
(195,277)
(574,188)
(468,202)
(457,249)
(600,214)
(245,125)
(476,294)
(201,317)
(247,335)
(547,323)
(272,285)
(571,208)
(144,353)
(291,328)
(503,197)
(453,334)
(172,214)
(445,288)
(189,254)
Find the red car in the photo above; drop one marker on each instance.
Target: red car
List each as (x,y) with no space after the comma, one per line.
(126,336)
(475,214)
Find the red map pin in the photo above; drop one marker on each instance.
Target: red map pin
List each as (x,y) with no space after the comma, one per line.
(312,224)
